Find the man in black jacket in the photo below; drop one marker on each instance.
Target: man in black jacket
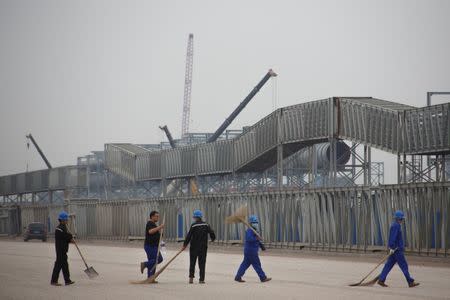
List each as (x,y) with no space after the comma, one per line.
(198,237)
(62,240)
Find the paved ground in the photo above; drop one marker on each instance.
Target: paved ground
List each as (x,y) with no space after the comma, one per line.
(25,270)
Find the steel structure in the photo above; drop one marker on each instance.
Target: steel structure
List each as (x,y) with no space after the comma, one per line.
(263,156)
(395,128)
(187,87)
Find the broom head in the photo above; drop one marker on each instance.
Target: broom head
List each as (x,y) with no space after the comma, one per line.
(239,215)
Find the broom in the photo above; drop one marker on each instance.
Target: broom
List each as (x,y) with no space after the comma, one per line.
(154,276)
(372,282)
(240,216)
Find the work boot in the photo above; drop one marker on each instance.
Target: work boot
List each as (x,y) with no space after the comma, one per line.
(70,282)
(142,267)
(239,280)
(266,279)
(382,283)
(413,284)
(55,283)
(191,280)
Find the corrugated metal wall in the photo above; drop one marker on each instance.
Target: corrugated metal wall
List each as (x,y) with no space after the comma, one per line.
(331,219)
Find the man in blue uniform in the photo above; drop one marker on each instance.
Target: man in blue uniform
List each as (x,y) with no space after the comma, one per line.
(152,236)
(198,238)
(251,248)
(62,240)
(396,249)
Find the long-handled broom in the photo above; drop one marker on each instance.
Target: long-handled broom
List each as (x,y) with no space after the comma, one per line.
(240,216)
(154,276)
(360,283)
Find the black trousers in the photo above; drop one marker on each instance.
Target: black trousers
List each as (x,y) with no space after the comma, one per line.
(201,255)
(61,264)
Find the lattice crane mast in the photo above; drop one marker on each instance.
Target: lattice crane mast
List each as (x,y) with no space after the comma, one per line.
(187,87)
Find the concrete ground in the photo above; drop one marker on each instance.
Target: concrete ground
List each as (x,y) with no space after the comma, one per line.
(25,270)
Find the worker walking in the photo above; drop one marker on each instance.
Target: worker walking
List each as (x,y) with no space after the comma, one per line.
(152,236)
(251,248)
(62,240)
(198,238)
(396,249)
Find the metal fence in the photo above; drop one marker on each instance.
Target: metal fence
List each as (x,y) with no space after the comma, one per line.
(333,219)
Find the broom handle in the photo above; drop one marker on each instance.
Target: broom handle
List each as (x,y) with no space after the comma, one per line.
(159,244)
(79,251)
(82,257)
(250,226)
(167,264)
(381,261)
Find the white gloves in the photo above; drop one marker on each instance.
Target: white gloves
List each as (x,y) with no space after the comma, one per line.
(391,251)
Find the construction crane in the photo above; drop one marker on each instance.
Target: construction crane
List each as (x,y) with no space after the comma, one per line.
(168,134)
(241,106)
(187,87)
(30,137)
(176,183)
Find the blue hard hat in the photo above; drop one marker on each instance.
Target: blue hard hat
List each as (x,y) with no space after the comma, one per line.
(197,214)
(63,216)
(399,214)
(253,219)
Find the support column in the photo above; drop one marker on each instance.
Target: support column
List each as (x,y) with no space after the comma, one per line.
(404,169)
(164,187)
(333,163)
(399,167)
(280,166)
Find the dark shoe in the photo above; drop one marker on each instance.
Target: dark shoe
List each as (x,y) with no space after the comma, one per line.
(239,280)
(201,281)
(70,282)
(191,280)
(266,279)
(55,283)
(142,267)
(413,284)
(382,283)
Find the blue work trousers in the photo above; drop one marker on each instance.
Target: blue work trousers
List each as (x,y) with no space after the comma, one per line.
(397,257)
(151,257)
(251,259)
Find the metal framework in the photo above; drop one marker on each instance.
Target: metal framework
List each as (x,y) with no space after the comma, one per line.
(392,127)
(187,87)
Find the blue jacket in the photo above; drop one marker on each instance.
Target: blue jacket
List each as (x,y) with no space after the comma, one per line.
(395,237)
(252,243)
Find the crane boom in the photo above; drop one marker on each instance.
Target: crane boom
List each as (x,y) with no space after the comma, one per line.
(241,106)
(29,136)
(168,134)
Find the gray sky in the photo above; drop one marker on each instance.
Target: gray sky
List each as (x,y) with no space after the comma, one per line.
(81,74)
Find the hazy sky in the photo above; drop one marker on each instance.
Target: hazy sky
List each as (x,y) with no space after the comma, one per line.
(81,74)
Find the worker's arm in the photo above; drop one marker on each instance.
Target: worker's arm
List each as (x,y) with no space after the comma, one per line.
(188,238)
(155,229)
(212,235)
(261,245)
(393,233)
